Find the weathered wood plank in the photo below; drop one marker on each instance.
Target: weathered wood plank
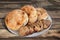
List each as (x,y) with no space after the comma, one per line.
(37,3)
(12,2)
(33,38)
(10,5)
(5,34)
(51,33)
(55,20)
(54,14)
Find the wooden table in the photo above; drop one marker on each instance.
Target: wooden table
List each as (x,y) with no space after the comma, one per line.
(52,34)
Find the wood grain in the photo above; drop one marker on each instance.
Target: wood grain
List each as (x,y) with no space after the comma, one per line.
(12,2)
(6,34)
(54,14)
(52,34)
(17,4)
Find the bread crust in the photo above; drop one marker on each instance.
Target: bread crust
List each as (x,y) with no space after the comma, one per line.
(23,31)
(15,19)
(31,11)
(42,13)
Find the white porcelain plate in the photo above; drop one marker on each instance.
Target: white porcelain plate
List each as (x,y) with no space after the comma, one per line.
(34,34)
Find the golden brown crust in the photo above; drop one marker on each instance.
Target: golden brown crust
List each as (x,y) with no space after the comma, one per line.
(38,26)
(23,31)
(31,11)
(35,27)
(28,9)
(42,13)
(15,19)
(46,23)
(31,30)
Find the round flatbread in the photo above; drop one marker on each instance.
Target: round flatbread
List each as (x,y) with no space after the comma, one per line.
(31,11)
(15,19)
